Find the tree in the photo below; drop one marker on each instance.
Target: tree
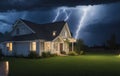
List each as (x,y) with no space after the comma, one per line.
(112,42)
(79,45)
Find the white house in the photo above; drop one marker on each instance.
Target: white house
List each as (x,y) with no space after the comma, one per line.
(27,36)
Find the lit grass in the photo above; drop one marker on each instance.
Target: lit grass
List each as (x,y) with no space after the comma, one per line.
(86,65)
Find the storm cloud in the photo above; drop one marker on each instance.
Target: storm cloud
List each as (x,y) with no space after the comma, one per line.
(21,5)
(101,21)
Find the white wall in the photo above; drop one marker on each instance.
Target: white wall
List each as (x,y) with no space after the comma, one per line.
(65,32)
(22,48)
(5,51)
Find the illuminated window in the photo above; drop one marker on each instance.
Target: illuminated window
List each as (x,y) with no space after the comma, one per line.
(54,33)
(9,46)
(33,46)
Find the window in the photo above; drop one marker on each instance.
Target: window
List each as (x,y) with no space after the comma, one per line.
(17,31)
(33,46)
(65,33)
(9,46)
(54,33)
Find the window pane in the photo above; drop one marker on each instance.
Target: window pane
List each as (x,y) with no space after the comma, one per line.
(10,47)
(33,46)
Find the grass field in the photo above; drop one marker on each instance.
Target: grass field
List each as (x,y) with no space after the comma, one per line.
(86,65)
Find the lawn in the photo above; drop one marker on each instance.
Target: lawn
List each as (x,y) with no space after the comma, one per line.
(86,65)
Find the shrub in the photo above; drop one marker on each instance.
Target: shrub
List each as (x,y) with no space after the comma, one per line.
(82,52)
(72,53)
(46,54)
(62,52)
(33,54)
(53,55)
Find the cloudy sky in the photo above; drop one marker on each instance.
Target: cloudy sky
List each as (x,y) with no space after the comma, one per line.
(94,22)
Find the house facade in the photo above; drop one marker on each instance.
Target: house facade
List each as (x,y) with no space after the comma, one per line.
(27,36)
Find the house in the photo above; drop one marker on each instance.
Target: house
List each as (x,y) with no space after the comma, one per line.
(27,36)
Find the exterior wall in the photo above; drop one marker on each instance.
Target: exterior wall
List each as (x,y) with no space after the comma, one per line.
(5,51)
(23,30)
(65,33)
(66,47)
(38,48)
(21,48)
(54,46)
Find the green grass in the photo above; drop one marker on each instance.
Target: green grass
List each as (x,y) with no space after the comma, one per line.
(87,65)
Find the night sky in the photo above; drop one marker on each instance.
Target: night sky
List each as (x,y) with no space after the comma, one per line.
(100,22)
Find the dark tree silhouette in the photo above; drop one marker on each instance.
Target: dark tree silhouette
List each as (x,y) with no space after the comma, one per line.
(79,45)
(112,42)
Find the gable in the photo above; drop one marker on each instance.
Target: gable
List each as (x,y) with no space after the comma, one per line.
(20,28)
(31,31)
(65,32)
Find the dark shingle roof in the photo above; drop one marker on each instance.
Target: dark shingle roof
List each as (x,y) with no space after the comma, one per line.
(42,31)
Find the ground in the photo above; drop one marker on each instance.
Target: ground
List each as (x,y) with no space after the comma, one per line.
(86,65)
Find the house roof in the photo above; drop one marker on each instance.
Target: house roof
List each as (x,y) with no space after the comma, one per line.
(42,31)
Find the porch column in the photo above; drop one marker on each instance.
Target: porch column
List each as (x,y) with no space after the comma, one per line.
(72,40)
(72,46)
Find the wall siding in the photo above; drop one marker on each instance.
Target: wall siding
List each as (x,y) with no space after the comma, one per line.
(23,30)
(22,48)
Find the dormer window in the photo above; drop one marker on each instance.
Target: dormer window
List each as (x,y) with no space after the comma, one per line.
(17,31)
(54,33)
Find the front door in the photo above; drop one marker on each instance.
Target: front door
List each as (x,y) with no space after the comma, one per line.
(61,47)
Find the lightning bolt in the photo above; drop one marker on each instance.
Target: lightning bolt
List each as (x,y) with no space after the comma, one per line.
(60,11)
(81,23)
(67,15)
(56,17)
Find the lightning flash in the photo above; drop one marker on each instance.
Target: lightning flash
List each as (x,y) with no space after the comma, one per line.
(81,23)
(60,11)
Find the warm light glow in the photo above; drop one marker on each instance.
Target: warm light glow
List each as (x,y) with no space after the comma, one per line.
(47,46)
(119,55)
(7,67)
(54,33)
(33,46)
(9,46)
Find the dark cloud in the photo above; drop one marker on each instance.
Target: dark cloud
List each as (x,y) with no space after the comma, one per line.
(6,22)
(99,33)
(20,5)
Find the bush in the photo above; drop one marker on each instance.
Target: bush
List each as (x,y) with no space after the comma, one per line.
(82,52)
(46,54)
(33,54)
(62,52)
(53,55)
(72,53)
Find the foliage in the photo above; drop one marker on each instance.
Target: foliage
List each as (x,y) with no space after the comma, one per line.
(112,42)
(72,53)
(79,45)
(62,52)
(46,54)
(53,55)
(82,52)
(33,54)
